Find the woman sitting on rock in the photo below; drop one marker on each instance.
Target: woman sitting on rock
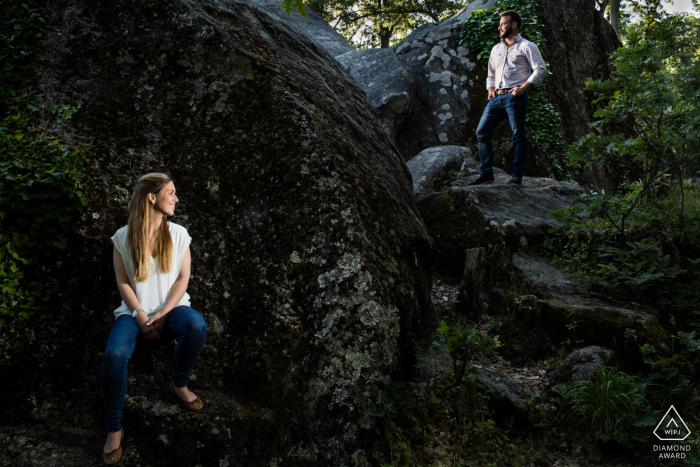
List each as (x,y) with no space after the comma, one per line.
(152,264)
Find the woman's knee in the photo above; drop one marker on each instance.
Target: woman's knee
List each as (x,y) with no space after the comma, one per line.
(196,323)
(116,356)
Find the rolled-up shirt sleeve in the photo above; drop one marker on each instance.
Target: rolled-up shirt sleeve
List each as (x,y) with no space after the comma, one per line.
(539,70)
(491,76)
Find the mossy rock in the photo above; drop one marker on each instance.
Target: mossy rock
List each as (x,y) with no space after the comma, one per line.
(492,215)
(620,329)
(455,225)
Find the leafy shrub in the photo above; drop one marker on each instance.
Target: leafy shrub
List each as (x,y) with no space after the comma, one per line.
(612,406)
(463,345)
(622,408)
(670,379)
(20,27)
(389,402)
(40,179)
(648,121)
(618,242)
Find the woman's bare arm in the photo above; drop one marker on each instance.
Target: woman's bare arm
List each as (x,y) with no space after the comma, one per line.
(177,291)
(129,296)
(123,283)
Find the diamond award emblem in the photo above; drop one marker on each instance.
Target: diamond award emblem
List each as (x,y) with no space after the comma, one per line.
(672,427)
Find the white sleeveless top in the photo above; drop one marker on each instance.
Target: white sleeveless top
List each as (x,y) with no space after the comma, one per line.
(153,292)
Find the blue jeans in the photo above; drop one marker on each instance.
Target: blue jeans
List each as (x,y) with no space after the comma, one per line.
(498,108)
(183,323)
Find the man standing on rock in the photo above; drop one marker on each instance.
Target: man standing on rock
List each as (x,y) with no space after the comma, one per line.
(508,81)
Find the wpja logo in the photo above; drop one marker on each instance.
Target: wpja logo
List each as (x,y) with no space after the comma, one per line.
(672,428)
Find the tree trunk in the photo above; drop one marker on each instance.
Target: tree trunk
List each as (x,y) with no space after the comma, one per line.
(615,15)
(385,37)
(469,296)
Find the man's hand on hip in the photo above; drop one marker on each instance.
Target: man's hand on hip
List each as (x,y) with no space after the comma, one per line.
(492,93)
(518,91)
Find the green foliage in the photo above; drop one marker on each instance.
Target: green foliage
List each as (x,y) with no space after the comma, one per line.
(623,408)
(40,180)
(618,242)
(289,6)
(571,326)
(382,23)
(638,266)
(389,402)
(20,27)
(649,122)
(669,379)
(651,14)
(463,345)
(480,33)
(612,406)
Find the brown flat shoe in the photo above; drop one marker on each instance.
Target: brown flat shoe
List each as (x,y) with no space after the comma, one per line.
(195,406)
(113,457)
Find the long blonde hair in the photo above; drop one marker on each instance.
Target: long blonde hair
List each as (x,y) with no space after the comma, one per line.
(140,223)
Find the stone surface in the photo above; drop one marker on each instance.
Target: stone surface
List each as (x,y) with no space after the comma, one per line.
(436,169)
(313,26)
(450,89)
(541,321)
(579,365)
(390,89)
(537,327)
(507,400)
(523,333)
(466,217)
(605,324)
(544,280)
(311,264)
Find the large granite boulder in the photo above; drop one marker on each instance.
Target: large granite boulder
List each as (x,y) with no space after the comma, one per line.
(438,72)
(313,26)
(579,365)
(390,89)
(436,169)
(507,400)
(465,217)
(571,65)
(561,311)
(544,280)
(311,264)
(623,329)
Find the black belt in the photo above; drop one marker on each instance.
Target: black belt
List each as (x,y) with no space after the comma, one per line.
(500,92)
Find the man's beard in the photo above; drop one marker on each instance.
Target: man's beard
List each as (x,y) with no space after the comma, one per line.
(507,32)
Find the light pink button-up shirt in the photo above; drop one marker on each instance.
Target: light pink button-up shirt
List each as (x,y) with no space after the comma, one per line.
(509,66)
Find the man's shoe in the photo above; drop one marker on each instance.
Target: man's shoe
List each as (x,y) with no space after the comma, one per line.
(518,181)
(482,179)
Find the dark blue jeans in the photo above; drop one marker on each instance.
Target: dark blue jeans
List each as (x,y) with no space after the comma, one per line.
(498,108)
(184,324)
